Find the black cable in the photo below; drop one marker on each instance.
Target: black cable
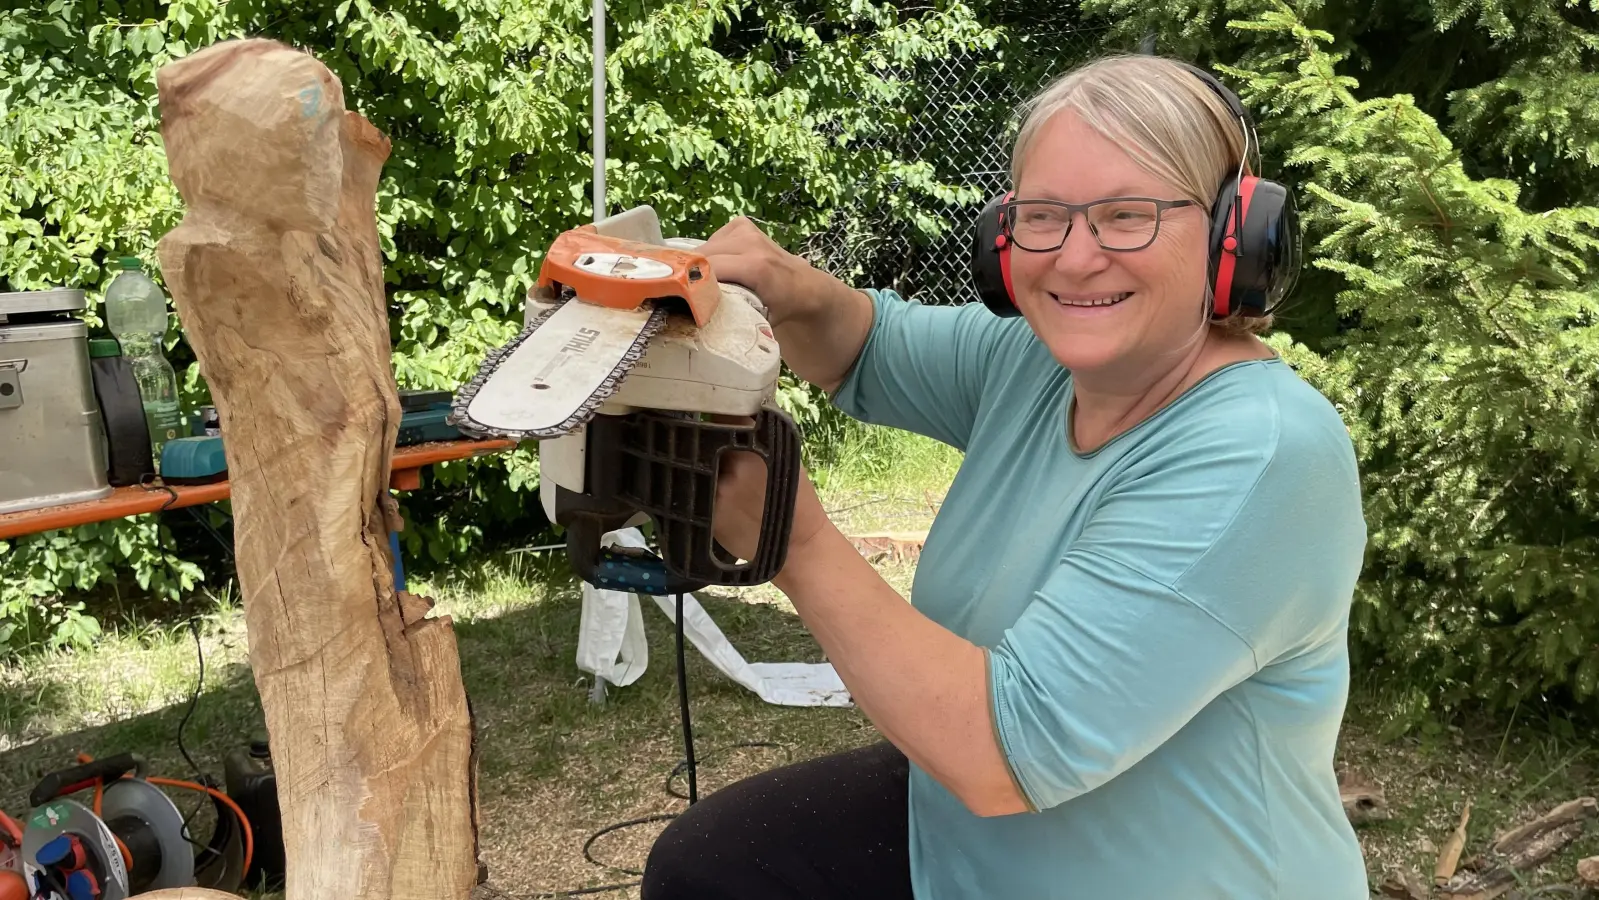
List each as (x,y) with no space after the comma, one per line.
(682,765)
(200,775)
(600,889)
(682,703)
(494,892)
(150,481)
(55,882)
(688,764)
(588,845)
(199,683)
(227,547)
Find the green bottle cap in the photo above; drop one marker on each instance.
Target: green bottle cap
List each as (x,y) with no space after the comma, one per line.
(130,264)
(99,348)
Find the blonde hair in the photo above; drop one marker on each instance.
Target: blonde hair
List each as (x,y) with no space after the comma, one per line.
(1170,122)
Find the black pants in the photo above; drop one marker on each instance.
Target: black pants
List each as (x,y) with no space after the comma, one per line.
(825,829)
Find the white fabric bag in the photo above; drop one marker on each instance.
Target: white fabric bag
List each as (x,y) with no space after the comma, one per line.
(611,645)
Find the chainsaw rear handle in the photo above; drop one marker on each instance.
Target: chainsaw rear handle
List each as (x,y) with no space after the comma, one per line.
(77,778)
(666,466)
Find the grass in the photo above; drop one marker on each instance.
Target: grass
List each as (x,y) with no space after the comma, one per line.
(873,479)
(557,768)
(1510,776)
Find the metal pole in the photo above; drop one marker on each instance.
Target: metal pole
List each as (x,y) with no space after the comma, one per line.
(599,110)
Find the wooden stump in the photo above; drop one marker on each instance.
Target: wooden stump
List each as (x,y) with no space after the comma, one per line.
(277,277)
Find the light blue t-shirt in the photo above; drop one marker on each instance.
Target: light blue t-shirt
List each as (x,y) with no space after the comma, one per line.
(1164,620)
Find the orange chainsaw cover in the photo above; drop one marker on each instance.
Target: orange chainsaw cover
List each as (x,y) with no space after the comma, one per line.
(623,274)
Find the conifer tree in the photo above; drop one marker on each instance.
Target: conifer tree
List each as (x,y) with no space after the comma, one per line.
(1450,235)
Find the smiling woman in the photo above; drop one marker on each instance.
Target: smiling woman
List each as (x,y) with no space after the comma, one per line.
(1122,672)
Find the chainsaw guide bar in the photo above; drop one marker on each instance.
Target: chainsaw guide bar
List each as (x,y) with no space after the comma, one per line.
(563,361)
(612,296)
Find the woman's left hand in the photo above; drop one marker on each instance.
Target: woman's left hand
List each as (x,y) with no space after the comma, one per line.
(741,500)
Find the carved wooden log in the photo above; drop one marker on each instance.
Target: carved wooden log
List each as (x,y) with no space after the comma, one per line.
(277,277)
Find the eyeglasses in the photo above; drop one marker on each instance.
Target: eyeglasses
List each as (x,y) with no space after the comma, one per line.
(1120,224)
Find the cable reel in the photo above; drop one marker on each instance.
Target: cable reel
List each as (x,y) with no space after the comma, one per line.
(132,840)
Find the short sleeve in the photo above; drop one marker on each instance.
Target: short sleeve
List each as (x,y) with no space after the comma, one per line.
(924,368)
(1202,563)
(1104,666)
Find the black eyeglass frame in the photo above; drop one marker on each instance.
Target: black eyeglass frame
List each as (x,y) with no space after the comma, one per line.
(1008,220)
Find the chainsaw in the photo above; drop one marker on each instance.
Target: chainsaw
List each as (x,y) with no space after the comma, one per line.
(636,371)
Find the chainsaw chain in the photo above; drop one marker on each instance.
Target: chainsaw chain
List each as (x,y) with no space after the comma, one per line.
(491,363)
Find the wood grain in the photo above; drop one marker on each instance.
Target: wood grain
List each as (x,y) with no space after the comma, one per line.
(276,275)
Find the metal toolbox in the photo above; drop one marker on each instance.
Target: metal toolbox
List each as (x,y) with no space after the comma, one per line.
(52,438)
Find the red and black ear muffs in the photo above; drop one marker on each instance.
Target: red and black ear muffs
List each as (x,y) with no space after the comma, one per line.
(991,259)
(1254,236)
(1254,240)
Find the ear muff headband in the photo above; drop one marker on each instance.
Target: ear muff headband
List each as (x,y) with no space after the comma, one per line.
(1230,100)
(1254,241)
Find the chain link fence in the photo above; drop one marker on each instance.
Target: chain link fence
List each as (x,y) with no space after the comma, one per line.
(962,123)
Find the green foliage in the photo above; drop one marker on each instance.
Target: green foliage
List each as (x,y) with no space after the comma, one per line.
(1465,358)
(715,109)
(1444,152)
(34,577)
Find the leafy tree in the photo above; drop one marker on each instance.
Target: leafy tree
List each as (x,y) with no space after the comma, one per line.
(715,109)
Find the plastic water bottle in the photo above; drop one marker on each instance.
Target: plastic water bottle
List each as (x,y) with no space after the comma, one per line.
(136,312)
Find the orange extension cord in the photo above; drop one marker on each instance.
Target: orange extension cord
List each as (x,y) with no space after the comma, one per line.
(127,858)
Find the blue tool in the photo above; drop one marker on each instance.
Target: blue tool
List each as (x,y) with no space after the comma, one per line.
(423,417)
(193,460)
(200,459)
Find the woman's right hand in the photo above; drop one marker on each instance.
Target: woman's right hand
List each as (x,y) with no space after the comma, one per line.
(820,322)
(741,253)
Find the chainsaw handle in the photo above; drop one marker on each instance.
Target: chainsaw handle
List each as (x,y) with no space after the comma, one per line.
(77,778)
(777,442)
(666,467)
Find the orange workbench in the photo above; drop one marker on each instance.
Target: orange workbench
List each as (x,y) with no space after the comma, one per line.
(404,475)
